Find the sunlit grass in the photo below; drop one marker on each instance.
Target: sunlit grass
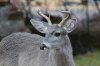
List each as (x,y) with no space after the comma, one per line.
(92,59)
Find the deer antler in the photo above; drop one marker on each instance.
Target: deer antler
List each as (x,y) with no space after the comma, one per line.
(47,18)
(64,18)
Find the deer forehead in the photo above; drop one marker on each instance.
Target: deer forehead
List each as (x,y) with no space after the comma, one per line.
(55,28)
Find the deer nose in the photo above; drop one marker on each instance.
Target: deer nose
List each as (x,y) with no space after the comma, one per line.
(43,46)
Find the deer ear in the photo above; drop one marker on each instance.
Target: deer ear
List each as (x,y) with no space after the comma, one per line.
(70,25)
(39,25)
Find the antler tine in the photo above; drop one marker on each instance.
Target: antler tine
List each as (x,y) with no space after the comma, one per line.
(47,18)
(63,19)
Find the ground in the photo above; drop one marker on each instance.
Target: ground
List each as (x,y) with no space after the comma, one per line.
(90,59)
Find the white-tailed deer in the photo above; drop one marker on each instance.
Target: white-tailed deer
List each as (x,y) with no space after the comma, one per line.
(23,49)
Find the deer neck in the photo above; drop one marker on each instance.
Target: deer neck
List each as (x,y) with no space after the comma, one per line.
(56,58)
(60,58)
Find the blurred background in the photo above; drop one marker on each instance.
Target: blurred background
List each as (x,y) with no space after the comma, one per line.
(15,16)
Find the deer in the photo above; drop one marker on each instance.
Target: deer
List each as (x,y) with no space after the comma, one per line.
(26,49)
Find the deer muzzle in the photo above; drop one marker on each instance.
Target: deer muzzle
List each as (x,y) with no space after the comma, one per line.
(43,46)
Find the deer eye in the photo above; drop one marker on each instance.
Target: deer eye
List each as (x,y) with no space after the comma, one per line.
(57,34)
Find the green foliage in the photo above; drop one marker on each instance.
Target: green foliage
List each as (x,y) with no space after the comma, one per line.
(90,59)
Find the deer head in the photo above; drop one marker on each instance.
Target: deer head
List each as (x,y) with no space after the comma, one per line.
(55,34)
